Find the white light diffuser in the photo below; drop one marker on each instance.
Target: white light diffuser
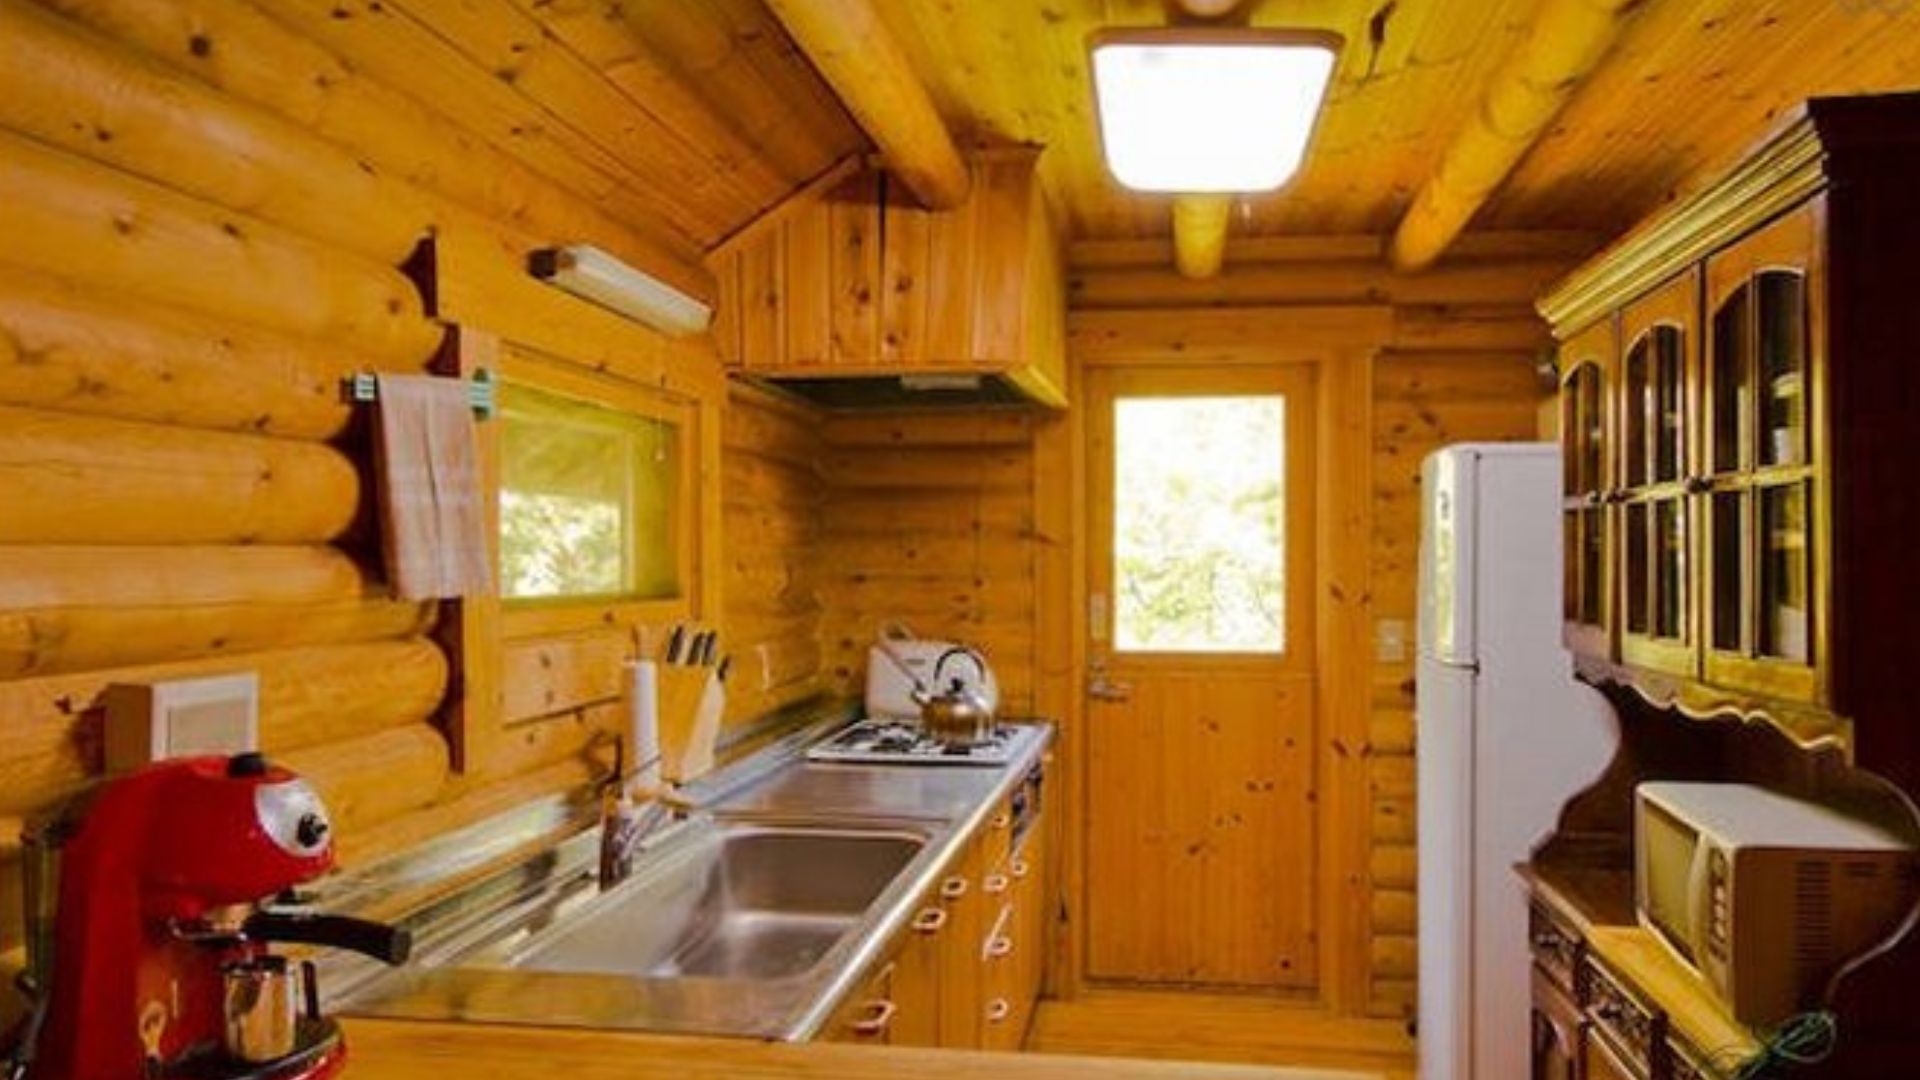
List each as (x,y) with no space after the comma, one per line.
(1209,110)
(592,274)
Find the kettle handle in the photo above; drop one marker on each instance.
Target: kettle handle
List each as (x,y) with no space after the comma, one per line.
(979,662)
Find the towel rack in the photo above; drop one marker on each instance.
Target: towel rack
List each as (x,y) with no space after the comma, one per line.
(365,387)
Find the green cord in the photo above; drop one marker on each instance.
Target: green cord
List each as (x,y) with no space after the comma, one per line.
(1802,1040)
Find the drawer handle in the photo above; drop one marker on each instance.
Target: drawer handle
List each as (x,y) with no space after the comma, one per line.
(878,1018)
(930,920)
(1019,869)
(953,888)
(998,1010)
(999,947)
(996,884)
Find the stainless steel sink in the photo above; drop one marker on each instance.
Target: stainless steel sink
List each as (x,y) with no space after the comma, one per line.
(742,901)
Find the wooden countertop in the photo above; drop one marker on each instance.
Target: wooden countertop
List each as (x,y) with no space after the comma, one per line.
(405,1050)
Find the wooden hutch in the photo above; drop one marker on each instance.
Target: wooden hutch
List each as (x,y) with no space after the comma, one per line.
(1740,408)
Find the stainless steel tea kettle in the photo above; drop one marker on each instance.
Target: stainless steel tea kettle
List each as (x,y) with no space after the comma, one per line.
(960,713)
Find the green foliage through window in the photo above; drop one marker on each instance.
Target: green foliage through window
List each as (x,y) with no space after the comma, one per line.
(586,500)
(1199,540)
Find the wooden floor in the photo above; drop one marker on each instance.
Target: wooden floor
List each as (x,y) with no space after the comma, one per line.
(1208,1027)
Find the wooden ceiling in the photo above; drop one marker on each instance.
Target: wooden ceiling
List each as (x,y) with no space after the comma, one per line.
(1689,86)
(688,118)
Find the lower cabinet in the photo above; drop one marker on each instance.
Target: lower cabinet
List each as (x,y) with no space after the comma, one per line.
(967,971)
(1603,1063)
(871,1014)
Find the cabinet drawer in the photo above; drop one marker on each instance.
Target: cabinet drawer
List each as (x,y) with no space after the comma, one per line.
(1633,1029)
(1557,947)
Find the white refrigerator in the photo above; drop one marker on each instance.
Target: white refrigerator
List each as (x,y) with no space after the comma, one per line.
(1504,735)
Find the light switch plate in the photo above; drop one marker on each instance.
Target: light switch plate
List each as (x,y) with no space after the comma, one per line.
(1390,641)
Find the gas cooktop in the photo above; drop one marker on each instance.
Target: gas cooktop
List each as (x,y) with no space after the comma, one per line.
(900,742)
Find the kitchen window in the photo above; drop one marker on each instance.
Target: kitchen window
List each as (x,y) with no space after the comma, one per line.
(587,500)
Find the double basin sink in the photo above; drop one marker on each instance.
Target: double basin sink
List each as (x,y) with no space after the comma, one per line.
(756,916)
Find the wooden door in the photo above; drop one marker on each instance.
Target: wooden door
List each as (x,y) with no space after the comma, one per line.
(1201,854)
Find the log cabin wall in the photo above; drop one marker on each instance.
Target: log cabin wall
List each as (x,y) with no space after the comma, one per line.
(208,205)
(1455,362)
(930,522)
(773,577)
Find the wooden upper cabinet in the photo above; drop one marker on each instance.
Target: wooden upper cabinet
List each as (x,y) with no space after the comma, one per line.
(1588,470)
(1659,335)
(851,277)
(1760,486)
(1763,436)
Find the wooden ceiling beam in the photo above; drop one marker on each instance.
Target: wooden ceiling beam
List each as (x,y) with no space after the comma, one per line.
(869,71)
(1200,233)
(1567,40)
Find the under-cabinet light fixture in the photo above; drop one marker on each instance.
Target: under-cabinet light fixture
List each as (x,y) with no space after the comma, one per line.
(592,274)
(1205,109)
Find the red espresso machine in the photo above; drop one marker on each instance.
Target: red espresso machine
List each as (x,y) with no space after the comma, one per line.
(157,960)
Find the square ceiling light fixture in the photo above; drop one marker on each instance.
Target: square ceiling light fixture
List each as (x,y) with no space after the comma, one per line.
(1203,109)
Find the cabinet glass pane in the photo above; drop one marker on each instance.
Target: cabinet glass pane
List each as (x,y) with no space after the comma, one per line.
(1637,584)
(1591,558)
(1783,336)
(1639,401)
(1728,585)
(1587,436)
(1732,349)
(1569,444)
(1669,413)
(1670,570)
(1570,567)
(1785,577)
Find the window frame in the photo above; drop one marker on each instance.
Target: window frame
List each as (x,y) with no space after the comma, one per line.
(532,616)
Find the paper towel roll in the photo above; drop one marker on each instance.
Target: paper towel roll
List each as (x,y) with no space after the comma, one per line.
(643,724)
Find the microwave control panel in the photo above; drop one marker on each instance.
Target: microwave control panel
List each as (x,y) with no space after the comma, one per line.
(1717,905)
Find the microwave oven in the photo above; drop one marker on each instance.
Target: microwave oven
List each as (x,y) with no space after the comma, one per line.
(1764,895)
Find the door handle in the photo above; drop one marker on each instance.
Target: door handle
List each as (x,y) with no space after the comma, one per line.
(1101,688)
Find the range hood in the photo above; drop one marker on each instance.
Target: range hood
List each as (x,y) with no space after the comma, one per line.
(902,391)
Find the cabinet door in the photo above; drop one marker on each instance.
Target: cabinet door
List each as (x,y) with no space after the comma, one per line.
(1659,358)
(1760,489)
(869,1014)
(962,993)
(1559,1032)
(1586,418)
(916,979)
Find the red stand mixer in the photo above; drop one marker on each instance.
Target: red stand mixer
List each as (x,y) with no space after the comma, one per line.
(159,963)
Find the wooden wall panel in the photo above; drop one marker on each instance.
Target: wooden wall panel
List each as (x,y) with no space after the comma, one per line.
(929,520)
(770,472)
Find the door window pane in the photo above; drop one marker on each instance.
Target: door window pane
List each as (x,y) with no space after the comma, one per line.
(586,500)
(1199,544)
